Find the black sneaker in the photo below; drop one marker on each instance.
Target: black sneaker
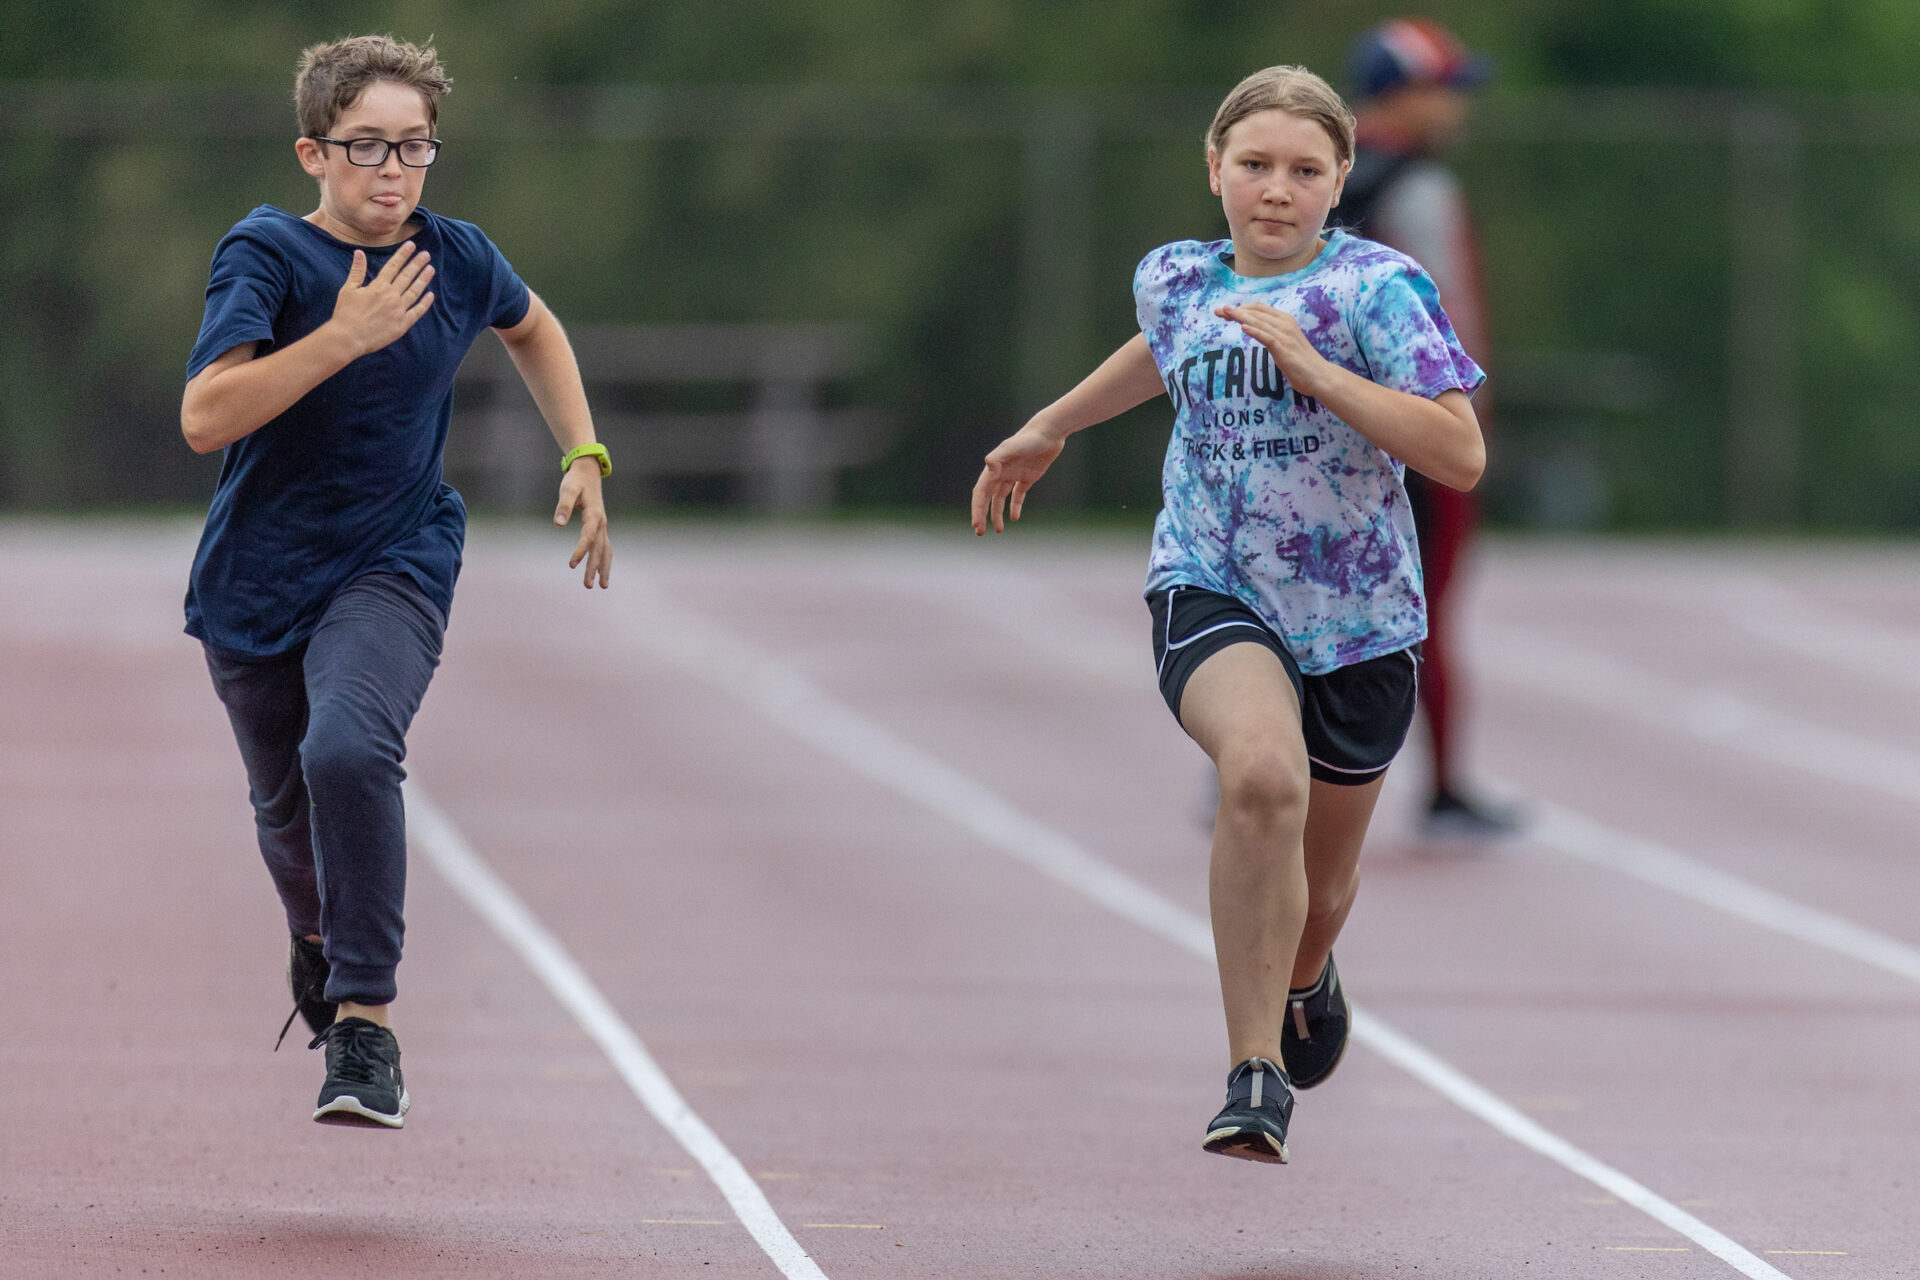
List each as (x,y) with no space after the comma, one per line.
(1453,817)
(1253,1124)
(363,1075)
(307,974)
(1313,1035)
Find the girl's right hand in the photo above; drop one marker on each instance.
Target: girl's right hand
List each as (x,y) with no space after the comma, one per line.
(1011,469)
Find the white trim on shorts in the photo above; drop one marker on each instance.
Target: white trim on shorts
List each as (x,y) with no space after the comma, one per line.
(1168,646)
(1381,768)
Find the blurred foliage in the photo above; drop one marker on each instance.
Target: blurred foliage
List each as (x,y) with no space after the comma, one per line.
(1834,46)
(1599,245)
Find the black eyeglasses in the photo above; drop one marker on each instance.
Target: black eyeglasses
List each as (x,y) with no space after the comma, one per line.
(369,153)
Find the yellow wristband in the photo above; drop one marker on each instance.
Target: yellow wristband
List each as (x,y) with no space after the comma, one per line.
(578,452)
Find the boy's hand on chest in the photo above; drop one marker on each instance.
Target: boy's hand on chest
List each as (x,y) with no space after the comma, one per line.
(372,314)
(1304,368)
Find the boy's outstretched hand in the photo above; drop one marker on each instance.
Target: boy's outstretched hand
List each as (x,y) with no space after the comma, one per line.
(580,488)
(374,313)
(1281,335)
(1011,469)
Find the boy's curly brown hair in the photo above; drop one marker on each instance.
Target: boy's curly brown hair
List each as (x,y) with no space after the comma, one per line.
(333,75)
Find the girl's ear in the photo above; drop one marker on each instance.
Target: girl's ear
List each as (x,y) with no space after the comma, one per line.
(1213,170)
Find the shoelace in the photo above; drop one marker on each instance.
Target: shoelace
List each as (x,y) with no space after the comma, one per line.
(285,1025)
(359,1060)
(309,994)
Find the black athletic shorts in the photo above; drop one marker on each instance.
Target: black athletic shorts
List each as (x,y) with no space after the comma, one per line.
(1355,718)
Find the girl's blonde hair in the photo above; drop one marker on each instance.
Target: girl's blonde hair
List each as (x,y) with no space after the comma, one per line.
(1294,90)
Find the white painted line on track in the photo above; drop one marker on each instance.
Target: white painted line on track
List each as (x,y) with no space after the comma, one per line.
(1601,681)
(1789,621)
(1516,655)
(723,660)
(1557,828)
(1463,1092)
(434,835)
(1577,836)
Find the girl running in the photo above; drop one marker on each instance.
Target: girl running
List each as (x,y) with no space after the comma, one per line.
(1307,370)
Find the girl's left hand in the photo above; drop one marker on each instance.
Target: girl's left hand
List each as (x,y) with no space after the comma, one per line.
(1281,335)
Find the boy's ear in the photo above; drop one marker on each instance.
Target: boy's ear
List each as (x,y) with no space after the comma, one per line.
(308,152)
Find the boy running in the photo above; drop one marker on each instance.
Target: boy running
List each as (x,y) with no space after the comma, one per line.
(324,577)
(1307,370)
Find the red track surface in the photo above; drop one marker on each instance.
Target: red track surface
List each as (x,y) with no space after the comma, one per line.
(972,1070)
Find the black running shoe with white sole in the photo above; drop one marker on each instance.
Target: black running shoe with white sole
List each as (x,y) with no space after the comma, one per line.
(1313,1034)
(307,974)
(1253,1124)
(363,1076)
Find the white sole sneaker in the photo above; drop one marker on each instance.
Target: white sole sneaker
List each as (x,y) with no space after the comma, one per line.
(348,1110)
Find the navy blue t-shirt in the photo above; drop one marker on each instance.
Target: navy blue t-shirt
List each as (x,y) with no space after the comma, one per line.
(348,481)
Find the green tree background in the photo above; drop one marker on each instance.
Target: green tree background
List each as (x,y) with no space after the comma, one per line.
(133,134)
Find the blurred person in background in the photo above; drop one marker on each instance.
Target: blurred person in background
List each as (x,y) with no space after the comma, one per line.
(1412,83)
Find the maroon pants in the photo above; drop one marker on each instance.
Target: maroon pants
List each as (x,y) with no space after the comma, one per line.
(1444,519)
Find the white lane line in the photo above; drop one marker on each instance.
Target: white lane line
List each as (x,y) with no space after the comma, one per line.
(1521,656)
(1577,836)
(715,656)
(1464,1093)
(434,835)
(1557,828)
(1771,612)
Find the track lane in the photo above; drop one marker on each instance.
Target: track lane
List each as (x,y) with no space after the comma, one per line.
(1654,983)
(147,1124)
(977,1158)
(844,660)
(879,973)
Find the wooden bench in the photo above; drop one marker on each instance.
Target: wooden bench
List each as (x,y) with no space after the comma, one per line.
(739,401)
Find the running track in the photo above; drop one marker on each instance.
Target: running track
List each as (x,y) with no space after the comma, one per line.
(882,845)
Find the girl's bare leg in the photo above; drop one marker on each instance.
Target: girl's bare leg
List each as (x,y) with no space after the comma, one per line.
(1241,708)
(1337,819)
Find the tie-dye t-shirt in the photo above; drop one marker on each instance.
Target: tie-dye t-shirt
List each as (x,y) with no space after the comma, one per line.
(1268,496)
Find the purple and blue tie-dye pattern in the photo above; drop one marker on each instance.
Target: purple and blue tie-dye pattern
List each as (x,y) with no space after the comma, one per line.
(1268,496)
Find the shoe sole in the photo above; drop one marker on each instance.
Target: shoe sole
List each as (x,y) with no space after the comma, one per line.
(1246,1144)
(349,1110)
